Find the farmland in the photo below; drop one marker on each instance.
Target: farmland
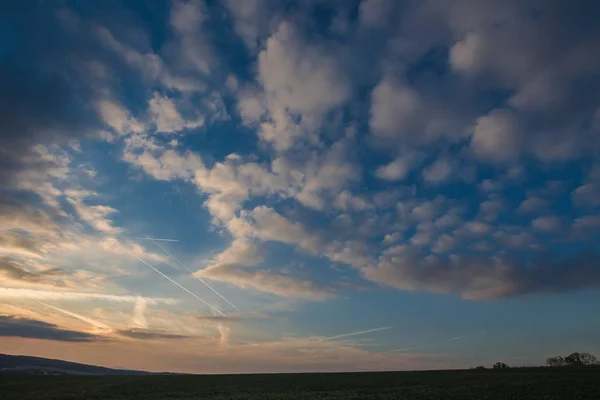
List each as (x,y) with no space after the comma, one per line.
(518,383)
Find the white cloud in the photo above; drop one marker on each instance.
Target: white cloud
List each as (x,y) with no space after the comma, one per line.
(194,48)
(550,223)
(396,170)
(298,79)
(96,216)
(477,227)
(444,244)
(586,195)
(440,171)
(395,108)
(117,117)
(533,204)
(374,13)
(251,19)
(166,118)
(497,136)
(271,226)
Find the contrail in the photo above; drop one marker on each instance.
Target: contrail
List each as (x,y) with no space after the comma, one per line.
(459,337)
(97,324)
(197,277)
(172,281)
(356,333)
(401,350)
(148,238)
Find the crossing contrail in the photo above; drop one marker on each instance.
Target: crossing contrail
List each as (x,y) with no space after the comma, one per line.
(172,281)
(356,333)
(197,277)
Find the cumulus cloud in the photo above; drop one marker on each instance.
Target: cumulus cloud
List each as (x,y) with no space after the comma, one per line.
(496,136)
(396,170)
(299,80)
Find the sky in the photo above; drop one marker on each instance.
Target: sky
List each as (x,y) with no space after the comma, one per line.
(239,186)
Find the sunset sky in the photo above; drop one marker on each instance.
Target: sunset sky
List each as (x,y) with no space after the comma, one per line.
(218,186)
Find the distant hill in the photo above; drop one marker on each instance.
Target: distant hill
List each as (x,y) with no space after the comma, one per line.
(48,366)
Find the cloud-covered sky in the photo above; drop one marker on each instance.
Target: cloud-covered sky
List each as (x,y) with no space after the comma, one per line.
(258,185)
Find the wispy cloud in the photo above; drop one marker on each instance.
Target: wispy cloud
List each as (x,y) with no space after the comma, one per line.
(356,333)
(32,294)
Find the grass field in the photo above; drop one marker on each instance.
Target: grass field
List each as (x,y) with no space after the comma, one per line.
(521,383)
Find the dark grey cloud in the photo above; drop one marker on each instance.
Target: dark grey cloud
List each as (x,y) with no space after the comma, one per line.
(148,334)
(11,326)
(483,278)
(42,100)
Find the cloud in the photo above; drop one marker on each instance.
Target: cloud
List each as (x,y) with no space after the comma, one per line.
(396,108)
(533,204)
(396,170)
(483,278)
(251,20)
(166,117)
(269,282)
(149,334)
(440,171)
(298,79)
(96,216)
(550,223)
(139,319)
(497,136)
(586,195)
(11,326)
(13,271)
(192,47)
(38,102)
(271,226)
(32,294)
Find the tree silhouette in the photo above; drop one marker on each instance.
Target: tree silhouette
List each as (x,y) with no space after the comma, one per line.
(557,361)
(500,365)
(573,359)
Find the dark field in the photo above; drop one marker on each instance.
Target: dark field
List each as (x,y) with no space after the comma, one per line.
(522,383)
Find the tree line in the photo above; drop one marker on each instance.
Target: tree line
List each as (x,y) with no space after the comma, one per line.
(573,359)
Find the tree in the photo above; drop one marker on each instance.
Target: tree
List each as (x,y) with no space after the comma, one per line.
(500,365)
(588,359)
(573,359)
(557,361)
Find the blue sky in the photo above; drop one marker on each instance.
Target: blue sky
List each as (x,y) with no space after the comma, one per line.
(331,185)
